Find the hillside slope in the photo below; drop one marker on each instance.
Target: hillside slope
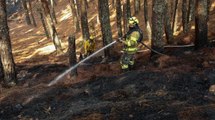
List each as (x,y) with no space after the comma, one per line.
(170,88)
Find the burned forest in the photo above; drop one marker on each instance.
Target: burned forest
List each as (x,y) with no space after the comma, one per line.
(107,60)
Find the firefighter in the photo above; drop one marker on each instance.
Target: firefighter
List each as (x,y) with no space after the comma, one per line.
(89,46)
(130,45)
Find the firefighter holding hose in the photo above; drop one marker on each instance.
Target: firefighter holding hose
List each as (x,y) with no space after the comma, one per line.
(130,42)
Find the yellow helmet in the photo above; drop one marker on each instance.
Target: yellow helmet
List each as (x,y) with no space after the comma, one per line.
(133,21)
(91,37)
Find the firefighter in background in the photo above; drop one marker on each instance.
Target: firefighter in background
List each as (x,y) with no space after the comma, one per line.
(89,46)
(130,45)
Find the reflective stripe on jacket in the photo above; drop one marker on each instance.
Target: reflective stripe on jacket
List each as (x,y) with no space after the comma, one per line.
(131,42)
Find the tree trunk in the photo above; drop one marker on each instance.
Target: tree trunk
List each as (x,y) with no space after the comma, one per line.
(113,3)
(105,24)
(78,6)
(147,24)
(128,8)
(5,48)
(75,16)
(53,13)
(84,21)
(27,17)
(72,56)
(86,4)
(158,9)
(168,30)
(184,16)
(125,19)
(175,13)
(119,17)
(32,14)
(51,27)
(39,10)
(191,13)
(1,72)
(201,23)
(136,6)
(171,10)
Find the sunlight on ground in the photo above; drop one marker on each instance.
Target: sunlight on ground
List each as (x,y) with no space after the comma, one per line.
(66,13)
(46,50)
(30,30)
(93,17)
(27,55)
(25,39)
(42,39)
(28,100)
(13,28)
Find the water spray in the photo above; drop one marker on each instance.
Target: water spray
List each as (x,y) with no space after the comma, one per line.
(75,66)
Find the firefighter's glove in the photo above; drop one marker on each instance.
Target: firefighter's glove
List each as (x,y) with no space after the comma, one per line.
(119,40)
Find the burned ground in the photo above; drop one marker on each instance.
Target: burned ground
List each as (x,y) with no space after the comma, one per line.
(170,87)
(169,92)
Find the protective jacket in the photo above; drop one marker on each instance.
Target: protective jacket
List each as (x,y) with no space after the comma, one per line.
(89,46)
(130,43)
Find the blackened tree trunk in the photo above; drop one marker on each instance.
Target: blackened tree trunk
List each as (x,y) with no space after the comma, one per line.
(32,14)
(72,56)
(27,16)
(184,16)
(147,24)
(201,23)
(84,21)
(75,16)
(5,48)
(105,24)
(51,27)
(158,9)
(168,29)
(119,17)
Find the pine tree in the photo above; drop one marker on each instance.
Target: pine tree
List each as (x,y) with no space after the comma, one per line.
(51,26)
(119,17)
(168,29)
(184,16)
(158,11)
(201,21)
(75,16)
(31,13)
(27,17)
(84,20)
(147,24)
(105,24)
(6,55)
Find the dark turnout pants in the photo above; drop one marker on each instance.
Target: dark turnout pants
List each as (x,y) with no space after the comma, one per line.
(127,61)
